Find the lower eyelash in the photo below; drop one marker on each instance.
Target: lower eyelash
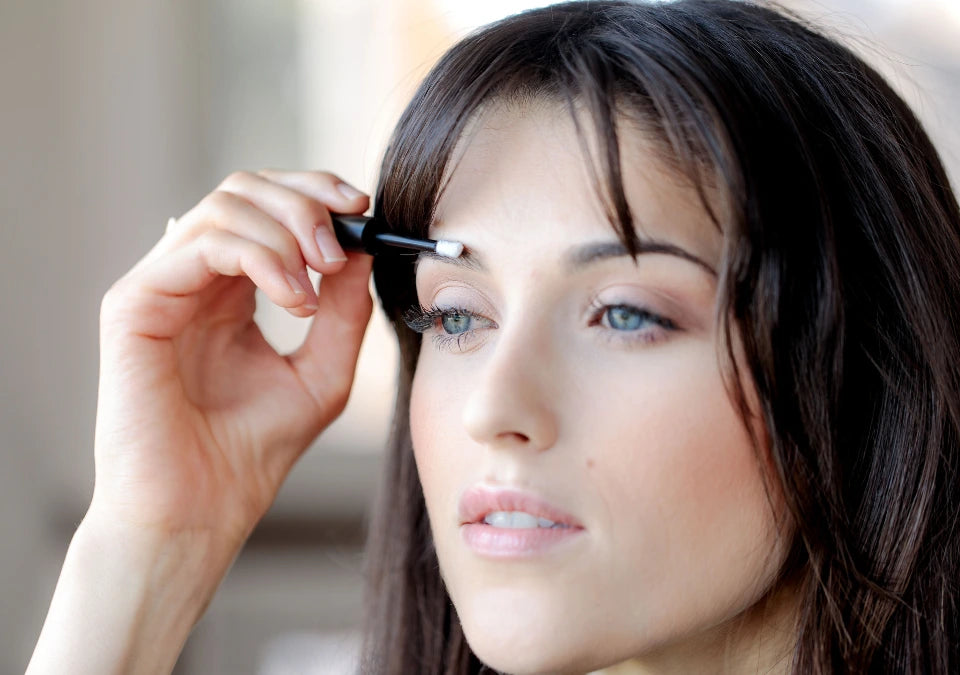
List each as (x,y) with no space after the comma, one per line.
(446,341)
(635,337)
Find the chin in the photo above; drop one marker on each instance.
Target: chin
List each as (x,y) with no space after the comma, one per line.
(552,660)
(540,662)
(527,635)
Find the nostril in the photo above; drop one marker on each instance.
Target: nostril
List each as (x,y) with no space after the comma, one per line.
(514,436)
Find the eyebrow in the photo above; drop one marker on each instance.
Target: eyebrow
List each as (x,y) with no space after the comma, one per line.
(581,256)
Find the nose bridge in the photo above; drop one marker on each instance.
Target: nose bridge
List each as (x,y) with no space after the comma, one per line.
(512,404)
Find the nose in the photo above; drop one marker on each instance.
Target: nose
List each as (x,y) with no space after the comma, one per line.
(511,405)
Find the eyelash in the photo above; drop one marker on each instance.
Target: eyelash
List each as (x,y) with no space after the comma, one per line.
(664,325)
(423,319)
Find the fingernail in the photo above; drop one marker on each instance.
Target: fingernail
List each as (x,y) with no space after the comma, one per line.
(311,302)
(294,284)
(349,191)
(330,248)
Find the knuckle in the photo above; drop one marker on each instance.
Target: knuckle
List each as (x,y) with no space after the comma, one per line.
(329,182)
(305,214)
(115,301)
(214,239)
(218,203)
(289,249)
(245,250)
(263,259)
(326,176)
(236,179)
(110,298)
(220,251)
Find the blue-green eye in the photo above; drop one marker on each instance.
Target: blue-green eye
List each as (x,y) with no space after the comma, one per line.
(449,327)
(445,321)
(623,317)
(633,324)
(454,322)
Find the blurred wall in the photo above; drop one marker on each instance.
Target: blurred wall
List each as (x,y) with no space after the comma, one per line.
(115,115)
(97,140)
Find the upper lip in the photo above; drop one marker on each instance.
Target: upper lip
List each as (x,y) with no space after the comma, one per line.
(477,502)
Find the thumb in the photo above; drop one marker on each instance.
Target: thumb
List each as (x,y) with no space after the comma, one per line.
(327,359)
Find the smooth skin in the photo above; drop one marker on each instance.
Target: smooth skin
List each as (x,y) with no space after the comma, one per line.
(533,382)
(199,419)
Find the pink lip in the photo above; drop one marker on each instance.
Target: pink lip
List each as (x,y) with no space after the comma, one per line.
(509,543)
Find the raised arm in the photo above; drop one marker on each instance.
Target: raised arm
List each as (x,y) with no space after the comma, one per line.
(199,419)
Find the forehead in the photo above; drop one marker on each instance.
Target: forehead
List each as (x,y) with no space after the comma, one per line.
(525,164)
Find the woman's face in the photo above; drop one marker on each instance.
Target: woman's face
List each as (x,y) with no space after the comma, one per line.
(559,378)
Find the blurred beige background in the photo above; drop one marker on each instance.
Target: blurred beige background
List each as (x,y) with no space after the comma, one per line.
(115,115)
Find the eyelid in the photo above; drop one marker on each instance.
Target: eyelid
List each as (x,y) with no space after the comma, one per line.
(451,290)
(677,307)
(436,275)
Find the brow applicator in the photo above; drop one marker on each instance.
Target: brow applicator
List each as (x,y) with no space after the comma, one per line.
(367,234)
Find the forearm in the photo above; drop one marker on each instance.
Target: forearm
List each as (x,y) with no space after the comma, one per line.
(126,604)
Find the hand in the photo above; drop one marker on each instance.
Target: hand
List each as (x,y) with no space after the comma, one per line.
(199,419)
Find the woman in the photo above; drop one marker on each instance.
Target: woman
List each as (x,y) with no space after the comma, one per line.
(688,403)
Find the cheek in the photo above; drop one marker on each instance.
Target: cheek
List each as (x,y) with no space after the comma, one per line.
(433,423)
(423,427)
(654,456)
(683,498)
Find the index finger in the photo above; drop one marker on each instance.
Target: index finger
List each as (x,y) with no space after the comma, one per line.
(328,189)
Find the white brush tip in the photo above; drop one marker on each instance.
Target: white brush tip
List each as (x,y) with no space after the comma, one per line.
(449,249)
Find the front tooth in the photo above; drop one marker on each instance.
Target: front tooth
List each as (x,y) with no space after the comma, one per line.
(523,520)
(512,520)
(498,519)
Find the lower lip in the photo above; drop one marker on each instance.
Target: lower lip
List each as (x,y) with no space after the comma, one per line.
(499,542)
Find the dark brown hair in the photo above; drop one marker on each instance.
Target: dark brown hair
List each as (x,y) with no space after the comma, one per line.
(841,271)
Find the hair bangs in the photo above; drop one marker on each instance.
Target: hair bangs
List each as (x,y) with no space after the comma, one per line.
(604,80)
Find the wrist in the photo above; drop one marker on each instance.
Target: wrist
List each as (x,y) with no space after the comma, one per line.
(173,575)
(127,599)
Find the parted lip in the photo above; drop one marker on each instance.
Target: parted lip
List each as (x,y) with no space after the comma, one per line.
(477,502)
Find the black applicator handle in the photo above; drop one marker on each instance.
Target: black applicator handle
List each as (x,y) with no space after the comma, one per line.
(355,233)
(364,233)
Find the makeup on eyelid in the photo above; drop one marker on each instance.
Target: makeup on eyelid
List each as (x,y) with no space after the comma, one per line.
(672,309)
(665,284)
(624,302)
(617,321)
